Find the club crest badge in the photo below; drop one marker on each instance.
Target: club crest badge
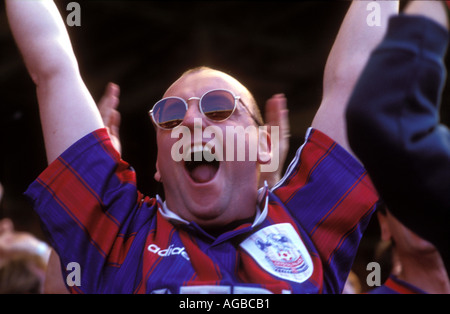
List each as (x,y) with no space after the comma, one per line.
(281,252)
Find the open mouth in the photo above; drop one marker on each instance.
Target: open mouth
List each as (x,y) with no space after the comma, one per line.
(202,166)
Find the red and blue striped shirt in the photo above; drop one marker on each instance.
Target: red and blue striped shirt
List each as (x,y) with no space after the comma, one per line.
(303,239)
(393,285)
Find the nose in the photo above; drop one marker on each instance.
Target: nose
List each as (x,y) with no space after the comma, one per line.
(193,113)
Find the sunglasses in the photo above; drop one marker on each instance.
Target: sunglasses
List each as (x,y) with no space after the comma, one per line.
(217,105)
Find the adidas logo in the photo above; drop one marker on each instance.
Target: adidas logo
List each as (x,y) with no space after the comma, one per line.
(171,250)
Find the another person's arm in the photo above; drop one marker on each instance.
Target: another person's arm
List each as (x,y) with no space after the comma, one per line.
(394,127)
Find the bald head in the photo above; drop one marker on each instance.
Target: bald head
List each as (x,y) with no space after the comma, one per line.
(194,79)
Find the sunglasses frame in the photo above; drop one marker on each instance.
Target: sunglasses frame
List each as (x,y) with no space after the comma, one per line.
(185,102)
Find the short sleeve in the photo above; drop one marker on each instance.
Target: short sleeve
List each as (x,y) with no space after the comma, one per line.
(332,198)
(90,208)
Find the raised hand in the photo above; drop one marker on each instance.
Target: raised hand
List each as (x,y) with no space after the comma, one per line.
(276,114)
(111,117)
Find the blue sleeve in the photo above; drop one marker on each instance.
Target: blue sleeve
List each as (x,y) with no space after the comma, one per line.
(394,128)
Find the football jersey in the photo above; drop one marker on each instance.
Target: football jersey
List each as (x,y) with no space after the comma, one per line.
(393,285)
(303,238)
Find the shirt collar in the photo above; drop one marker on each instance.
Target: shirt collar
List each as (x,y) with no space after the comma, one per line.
(262,202)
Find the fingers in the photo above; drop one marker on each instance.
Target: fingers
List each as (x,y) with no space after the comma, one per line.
(114,123)
(108,108)
(274,106)
(109,103)
(111,117)
(277,114)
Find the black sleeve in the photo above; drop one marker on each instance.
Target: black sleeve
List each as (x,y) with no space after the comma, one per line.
(393,127)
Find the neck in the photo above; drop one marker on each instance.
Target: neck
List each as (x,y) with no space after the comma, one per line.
(426,272)
(216,231)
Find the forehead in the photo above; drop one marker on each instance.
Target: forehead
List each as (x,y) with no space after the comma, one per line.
(195,84)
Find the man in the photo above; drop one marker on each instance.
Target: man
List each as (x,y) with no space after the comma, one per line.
(398,136)
(276,115)
(215,232)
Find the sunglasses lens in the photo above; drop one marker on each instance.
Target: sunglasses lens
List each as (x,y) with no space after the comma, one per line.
(169,112)
(218,105)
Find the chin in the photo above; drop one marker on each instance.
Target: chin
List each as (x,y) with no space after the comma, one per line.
(207,212)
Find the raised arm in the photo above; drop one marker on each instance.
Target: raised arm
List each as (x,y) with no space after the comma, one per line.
(349,54)
(67,109)
(394,127)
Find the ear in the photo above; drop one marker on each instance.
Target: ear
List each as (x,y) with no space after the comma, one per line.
(264,146)
(386,234)
(157,175)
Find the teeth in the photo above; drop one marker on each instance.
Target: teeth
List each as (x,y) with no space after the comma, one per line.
(200,152)
(199,148)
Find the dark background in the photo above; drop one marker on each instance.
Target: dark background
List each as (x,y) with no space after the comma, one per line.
(143,46)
